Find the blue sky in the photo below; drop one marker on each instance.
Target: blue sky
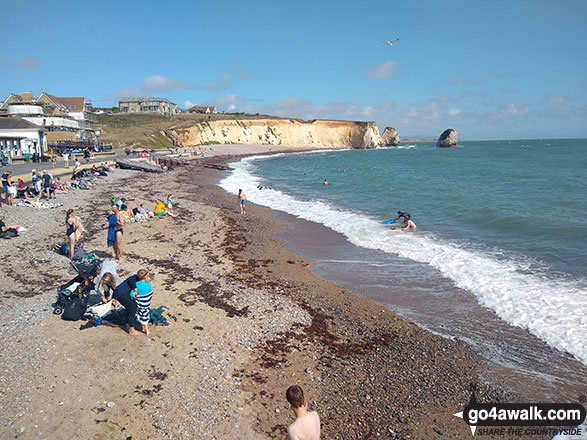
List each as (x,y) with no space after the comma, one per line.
(490,69)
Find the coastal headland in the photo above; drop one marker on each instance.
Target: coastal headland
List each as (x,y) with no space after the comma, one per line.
(192,130)
(248,319)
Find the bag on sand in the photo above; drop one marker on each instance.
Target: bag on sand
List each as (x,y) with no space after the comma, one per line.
(74,309)
(78,251)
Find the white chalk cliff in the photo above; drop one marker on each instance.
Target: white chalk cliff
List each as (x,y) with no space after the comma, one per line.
(287,132)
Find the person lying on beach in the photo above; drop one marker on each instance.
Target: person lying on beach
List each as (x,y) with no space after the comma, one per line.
(307,423)
(143,296)
(122,294)
(107,280)
(5,228)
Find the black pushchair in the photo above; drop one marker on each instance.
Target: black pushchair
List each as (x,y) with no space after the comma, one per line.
(72,297)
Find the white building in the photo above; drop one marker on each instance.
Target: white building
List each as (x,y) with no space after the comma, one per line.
(64,118)
(21,138)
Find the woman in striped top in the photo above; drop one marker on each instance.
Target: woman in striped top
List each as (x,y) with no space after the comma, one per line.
(143,298)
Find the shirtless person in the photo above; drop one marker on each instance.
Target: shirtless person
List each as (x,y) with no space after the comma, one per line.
(307,423)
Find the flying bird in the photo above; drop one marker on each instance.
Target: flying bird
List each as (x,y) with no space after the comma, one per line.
(391,42)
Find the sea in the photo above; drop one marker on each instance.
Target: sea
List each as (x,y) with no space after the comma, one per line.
(498,260)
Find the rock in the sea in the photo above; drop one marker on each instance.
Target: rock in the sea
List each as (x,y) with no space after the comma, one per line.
(390,137)
(448,138)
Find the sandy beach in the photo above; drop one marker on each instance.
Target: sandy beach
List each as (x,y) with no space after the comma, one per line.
(248,319)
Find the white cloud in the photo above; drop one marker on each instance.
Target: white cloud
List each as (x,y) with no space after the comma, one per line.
(226,79)
(384,71)
(161,83)
(557,100)
(29,63)
(155,84)
(454,111)
(188,104)
(515,109)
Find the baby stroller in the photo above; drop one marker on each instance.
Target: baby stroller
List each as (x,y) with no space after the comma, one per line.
(72,297)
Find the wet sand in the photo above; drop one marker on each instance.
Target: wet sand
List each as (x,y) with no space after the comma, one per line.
(248,319)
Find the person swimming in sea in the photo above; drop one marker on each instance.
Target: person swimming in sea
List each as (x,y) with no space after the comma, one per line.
(326,182)
(408,223)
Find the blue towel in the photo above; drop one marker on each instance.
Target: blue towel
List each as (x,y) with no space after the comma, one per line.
(112,220)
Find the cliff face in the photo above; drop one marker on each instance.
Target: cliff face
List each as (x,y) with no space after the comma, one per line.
(290,132)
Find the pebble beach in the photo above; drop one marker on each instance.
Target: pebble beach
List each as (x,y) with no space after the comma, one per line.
(248,319)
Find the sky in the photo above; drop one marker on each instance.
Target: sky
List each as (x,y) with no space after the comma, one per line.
(499,69)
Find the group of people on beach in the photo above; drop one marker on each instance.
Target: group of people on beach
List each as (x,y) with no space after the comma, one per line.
(135,294)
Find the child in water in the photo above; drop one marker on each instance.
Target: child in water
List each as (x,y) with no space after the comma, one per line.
(408,223)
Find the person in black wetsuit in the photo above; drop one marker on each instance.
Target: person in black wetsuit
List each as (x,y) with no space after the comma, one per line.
(124,294)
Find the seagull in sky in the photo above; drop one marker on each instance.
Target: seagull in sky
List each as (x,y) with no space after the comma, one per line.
(391,42)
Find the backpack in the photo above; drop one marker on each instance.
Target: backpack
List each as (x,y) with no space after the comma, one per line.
(74,309)
(78,251)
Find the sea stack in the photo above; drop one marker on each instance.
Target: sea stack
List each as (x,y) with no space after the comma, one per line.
(448,138)
(390,137)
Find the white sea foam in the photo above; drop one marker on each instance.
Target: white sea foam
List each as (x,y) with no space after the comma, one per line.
(555,311)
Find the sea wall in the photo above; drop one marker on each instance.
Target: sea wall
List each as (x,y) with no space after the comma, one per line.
(290,132)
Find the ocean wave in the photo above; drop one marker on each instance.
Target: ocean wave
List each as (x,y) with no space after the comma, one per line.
(553,310)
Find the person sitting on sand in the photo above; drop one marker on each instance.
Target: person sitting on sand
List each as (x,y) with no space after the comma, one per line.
(241,200)
(122,294)
(307,423)
(159,209)
(107,280)
(23,191)
(169,205)
(408,223)
(143,297)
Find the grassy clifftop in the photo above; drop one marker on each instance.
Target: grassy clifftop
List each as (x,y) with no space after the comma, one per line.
(124,130)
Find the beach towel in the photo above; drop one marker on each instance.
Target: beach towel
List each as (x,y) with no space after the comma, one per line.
(112,220)
(99,310)
(42,205)
(156,316)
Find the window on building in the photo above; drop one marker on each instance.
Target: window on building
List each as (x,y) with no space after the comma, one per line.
(72,107)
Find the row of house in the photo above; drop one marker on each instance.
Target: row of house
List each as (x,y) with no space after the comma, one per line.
(28,124)
(163,106)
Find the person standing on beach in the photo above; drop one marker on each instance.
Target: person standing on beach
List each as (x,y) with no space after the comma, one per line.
(66,159)
(47,183)
(115,231)
(74,230)
(307,423)
(241,200)
(143,298)
(8,186)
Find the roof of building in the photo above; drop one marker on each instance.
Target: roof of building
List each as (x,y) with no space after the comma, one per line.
(6,123)
(145,98)
(68,102)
